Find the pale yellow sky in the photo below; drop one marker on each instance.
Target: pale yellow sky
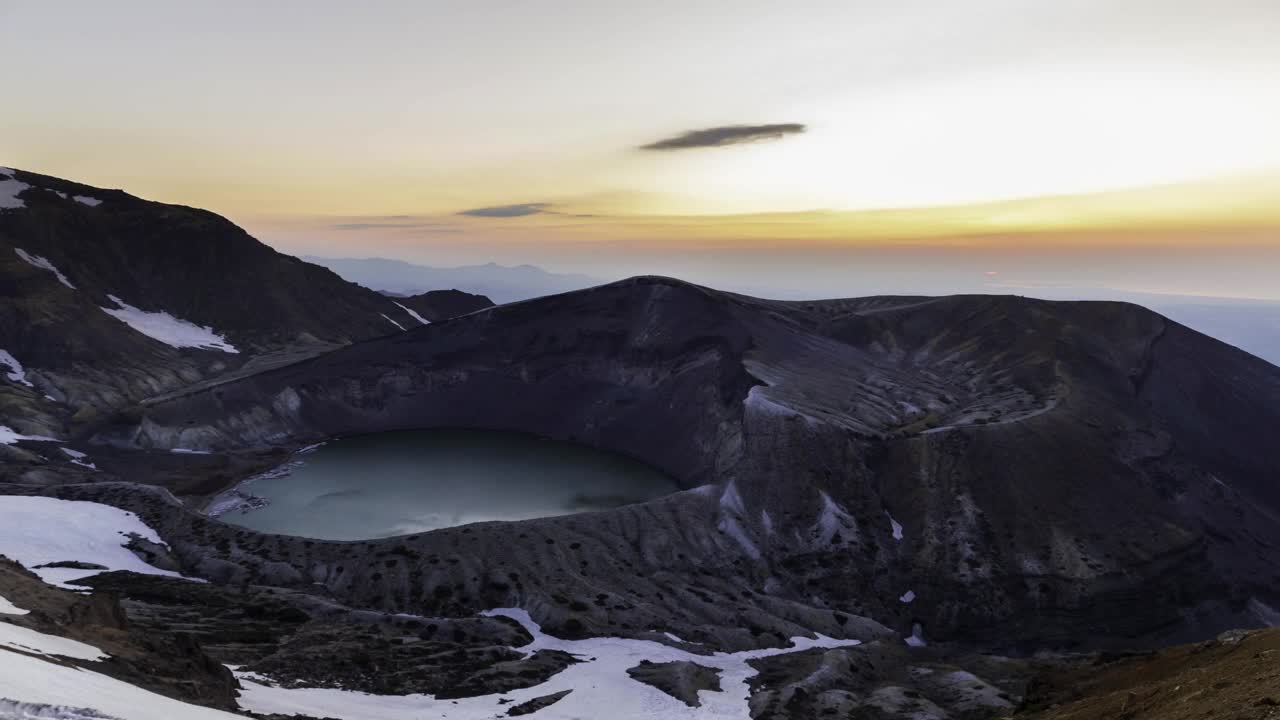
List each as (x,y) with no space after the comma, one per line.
(293,117)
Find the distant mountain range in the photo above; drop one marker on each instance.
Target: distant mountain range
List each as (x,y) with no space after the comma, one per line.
(1251,325)
(500,283)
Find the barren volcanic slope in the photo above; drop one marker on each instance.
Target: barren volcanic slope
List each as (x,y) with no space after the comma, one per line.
(106,299)
(1001,471)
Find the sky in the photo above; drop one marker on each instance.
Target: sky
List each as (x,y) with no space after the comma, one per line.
(842,147)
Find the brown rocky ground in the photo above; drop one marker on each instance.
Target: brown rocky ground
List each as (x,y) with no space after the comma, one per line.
(164,661)
(1235,677)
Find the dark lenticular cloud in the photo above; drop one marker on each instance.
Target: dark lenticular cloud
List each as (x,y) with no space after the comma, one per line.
(726,135)
(507,211)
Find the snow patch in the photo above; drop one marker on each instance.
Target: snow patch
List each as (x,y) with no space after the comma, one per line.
(172,331)
(15,637)
(40,530)
(731,501)
(78,458)
(758,400)
(393,322)
(907,596)
(15,373)
(9,188)
(8,608)
(832,519)
(188,451)
(412,314)
(9,436)
(87,200)
(916,639)
(897,527)
(599,683)
(43,264)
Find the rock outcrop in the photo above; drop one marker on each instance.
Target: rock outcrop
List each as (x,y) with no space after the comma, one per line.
(681,680)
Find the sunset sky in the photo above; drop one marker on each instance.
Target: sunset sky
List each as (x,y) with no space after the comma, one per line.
(842,147)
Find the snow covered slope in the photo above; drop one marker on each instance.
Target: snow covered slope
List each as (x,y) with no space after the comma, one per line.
(28,682)
(36,531)
(598,686)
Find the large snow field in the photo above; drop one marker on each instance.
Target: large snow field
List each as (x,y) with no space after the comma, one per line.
(30,641)
(600,686)
(39,530)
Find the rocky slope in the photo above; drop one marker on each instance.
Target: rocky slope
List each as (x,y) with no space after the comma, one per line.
(1000,471)
(159,659)
(107,299)
(1232,677)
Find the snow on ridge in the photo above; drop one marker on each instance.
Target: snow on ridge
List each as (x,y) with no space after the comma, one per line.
(78,458)
(9,436)
(40,530)
(393,322)
(15,373)
(413,314)
(599,685)
(87,200)
(10,187)
(43,264)
(8,608)
(170,330)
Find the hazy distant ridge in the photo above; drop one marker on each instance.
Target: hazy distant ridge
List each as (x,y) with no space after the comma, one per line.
(500,283)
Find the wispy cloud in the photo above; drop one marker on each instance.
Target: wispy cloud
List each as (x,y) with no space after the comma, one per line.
(390,225)
(725,135)
(508,211)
